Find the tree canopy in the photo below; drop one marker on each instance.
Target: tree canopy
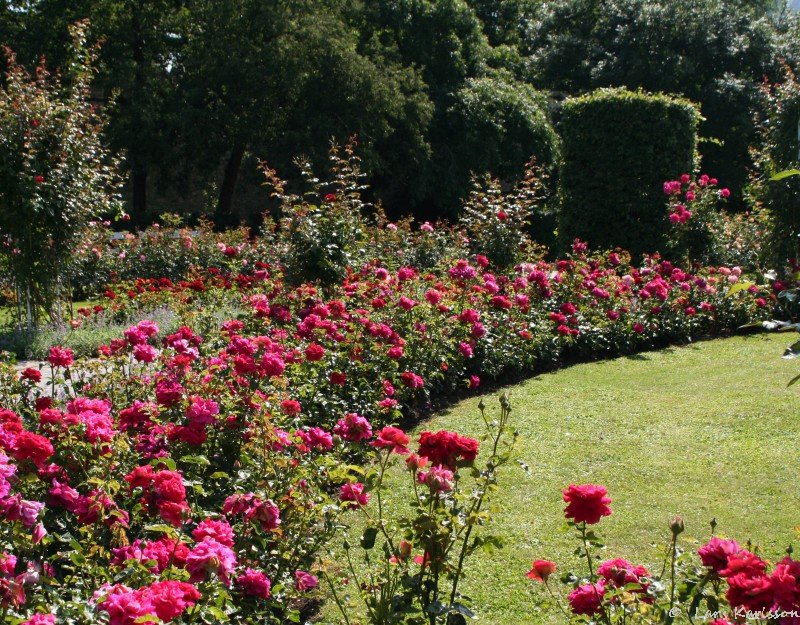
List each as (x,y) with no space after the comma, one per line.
(197,91)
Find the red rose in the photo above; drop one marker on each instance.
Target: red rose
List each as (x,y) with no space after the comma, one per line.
(140,477)
(541,570)
(587,598)
(314,352)
(620,572)
(447,448)
(743,561)
(34,375)
(33,446)
(586,503)
(61,357)
(168,486)
(291,407)
(715,553)
(785,585)
(173,512)
(412,380)
(391,438)
(750,592)
(338,378)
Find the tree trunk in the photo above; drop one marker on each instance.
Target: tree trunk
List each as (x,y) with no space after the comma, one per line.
(224,217)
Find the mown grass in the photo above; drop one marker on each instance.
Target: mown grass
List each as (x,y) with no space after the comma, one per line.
(707,430)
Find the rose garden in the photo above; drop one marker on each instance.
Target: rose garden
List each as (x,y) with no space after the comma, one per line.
(561,402)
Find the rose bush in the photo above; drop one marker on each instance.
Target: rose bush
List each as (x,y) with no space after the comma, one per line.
(723,583)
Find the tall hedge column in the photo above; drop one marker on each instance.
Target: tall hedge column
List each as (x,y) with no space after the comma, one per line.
(618,148)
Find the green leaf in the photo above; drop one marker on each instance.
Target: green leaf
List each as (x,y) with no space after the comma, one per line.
(160,527)
(739,286)
(368,538)
(201,460)
(785,174)
(217,613)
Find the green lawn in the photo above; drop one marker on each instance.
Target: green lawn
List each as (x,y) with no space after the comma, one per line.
(707,430)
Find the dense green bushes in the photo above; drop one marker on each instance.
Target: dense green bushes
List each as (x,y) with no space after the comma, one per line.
(206,88)
(618,148)
(496,124)
(780,150)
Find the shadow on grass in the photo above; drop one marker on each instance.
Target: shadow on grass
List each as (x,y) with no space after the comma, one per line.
(511,377)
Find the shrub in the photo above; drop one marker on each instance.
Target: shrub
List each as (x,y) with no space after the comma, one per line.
(497,222)
(495,126)
(618,148)
(166,249)
(321,233)
(702,231)
(779,151)
(55,173)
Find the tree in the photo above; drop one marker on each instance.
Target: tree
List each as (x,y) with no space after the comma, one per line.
(55,175)
(283,78)
(715,52)
(495,125)
(138,47)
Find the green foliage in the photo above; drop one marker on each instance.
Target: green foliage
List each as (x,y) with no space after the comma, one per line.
(56,175)
(714,52)
(323,231)
(443,40)
(780,150)
(496,124)
(497,223)
(618,148)
(434,89)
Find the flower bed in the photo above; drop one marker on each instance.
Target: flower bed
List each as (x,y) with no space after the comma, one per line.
(197,475)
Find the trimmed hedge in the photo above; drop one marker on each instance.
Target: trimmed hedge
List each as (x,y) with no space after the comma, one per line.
(618,148)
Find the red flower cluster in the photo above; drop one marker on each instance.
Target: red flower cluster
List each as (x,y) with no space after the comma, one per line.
(447,449)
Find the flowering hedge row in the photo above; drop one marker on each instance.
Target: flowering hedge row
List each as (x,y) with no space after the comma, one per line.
(194,476)
(386,339)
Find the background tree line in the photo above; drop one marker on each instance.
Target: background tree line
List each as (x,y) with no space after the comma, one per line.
(199,90)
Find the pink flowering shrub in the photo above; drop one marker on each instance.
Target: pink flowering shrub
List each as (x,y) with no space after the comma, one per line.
(724,584)
(703,232)
(694,215)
